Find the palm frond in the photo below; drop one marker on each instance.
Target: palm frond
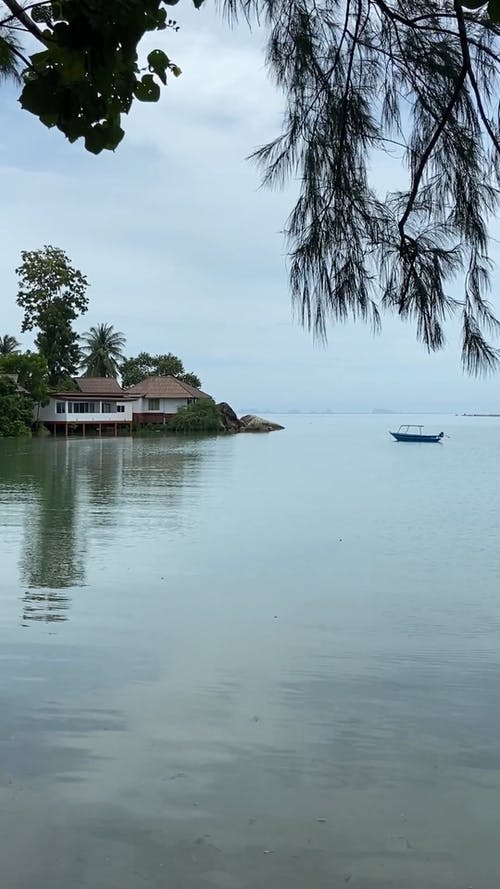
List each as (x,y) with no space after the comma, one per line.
(102,351)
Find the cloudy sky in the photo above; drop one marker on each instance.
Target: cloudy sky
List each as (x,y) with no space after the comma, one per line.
(184,251)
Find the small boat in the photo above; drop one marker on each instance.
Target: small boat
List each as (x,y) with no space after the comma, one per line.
(414,433)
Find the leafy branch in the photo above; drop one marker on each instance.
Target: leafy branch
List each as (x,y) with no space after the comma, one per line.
(88,73)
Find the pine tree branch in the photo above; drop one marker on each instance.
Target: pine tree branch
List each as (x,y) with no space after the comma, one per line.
(462,30)
(16,52)
(417,178)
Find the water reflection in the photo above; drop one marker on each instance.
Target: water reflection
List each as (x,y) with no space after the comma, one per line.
(281,708)
(70,496)
(50,606)
(53,554)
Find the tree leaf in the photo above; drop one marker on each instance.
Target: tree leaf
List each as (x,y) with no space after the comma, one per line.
(94,141)
(146,90)
(49,119)
(158,62)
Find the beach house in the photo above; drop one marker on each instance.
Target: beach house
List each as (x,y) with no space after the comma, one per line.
(98,405)
(157,399)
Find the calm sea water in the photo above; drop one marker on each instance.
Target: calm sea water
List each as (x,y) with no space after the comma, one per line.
(253,661)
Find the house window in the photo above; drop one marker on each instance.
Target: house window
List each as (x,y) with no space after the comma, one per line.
(85,407)
(60,407)
(109,407)
(191,400)
(120,408)
(153,404)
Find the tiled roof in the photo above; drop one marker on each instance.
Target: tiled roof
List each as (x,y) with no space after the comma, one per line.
(165,387)
(99,386)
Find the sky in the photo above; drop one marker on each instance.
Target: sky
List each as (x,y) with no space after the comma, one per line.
(184,250)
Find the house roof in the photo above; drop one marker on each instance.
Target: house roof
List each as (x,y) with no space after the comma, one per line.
(165,387)
(98,386)
(94,387)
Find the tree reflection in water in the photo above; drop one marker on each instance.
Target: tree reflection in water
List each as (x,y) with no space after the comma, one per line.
(75,495)
(53,556)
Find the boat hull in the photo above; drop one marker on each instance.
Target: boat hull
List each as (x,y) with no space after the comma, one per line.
(407,436)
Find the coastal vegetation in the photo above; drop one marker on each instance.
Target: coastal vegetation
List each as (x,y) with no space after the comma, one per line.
(416,83)
(16,409)
(53,294)
(134,370)
(31,373)
(202,416)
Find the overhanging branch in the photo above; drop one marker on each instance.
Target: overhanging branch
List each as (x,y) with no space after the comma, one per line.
(22,16)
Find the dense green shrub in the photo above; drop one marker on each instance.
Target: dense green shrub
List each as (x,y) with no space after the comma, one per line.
(202,416)
(16,410)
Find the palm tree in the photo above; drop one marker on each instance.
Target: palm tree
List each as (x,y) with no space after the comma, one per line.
(8,345)
(102,351)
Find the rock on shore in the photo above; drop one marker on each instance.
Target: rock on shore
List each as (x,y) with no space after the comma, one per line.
(249,423)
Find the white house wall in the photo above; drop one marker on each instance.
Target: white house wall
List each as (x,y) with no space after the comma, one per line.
(167,405)
(48,413)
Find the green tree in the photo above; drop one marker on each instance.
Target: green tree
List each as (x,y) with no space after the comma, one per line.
(16,410)
(8,344)
(102,351)
(58,343)
(202,416)
(31,371)
(52,294)
(191,379)
(44,276)
(167,365)
(133,370)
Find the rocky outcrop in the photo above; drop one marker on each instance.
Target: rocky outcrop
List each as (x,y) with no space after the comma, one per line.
(228,418)
(249,423)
